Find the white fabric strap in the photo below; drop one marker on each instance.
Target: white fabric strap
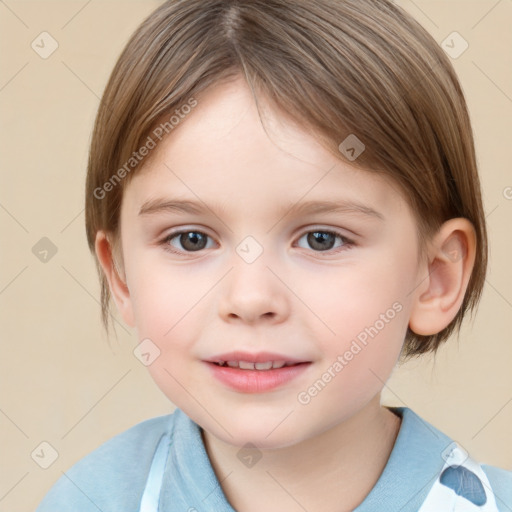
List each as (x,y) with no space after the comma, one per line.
(151,494)
(464,487)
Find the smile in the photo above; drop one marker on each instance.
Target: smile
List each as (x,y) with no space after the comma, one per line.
(261,377)
(248,365)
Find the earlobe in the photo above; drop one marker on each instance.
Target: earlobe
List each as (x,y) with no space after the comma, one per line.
(440,295)
(115,276)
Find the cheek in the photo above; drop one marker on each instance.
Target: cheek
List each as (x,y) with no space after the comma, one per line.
(358,297)
(170,309)
(173,307)
(163,297)
(366,308)
(370,323)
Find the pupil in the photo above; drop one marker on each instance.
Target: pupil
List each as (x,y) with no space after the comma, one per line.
(192,241)
(321,240)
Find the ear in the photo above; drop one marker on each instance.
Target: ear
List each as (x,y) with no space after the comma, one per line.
(116,282)
(450,262)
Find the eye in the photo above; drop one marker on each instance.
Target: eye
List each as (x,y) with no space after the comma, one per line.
(190,241)
(194,241)
(324,241)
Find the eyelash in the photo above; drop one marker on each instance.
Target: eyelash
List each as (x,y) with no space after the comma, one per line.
(347,243)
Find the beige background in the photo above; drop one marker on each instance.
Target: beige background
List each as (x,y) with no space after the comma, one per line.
(62,382)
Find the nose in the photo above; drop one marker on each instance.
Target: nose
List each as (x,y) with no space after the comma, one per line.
(253,293)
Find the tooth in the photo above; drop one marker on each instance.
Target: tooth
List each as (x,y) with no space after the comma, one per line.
(246,365)
(263,366)
(278,364)
(232,364)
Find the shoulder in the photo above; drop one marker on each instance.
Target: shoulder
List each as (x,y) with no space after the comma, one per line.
(112,477)
(500,480)
(439,454)
(501,484)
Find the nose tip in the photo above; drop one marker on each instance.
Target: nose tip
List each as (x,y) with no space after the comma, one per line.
(252,293)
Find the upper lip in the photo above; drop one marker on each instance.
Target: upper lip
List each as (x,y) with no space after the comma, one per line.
(259,357)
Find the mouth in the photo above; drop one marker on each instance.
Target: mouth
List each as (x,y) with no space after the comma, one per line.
(262,366)
(261,372)
(261,361)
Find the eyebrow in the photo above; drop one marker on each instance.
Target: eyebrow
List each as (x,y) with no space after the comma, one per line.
(154,206)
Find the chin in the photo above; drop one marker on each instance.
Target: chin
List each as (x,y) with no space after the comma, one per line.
(259,439)
(265,433)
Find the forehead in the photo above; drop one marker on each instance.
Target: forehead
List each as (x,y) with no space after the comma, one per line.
(222,152)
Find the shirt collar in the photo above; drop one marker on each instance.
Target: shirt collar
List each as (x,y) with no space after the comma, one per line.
(412,467)
(190,483)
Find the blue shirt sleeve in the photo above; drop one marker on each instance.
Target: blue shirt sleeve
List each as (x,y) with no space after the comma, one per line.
(112,477)
(501,483)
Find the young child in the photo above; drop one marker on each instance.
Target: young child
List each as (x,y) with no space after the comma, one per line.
(283,200)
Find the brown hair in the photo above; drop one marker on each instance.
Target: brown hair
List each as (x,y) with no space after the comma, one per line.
(338,67)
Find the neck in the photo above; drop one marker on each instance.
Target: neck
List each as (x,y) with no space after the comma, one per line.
(333,471)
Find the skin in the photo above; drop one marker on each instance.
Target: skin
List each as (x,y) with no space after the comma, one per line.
(294,298)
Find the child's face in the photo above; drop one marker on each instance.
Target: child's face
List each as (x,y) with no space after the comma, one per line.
(293,299)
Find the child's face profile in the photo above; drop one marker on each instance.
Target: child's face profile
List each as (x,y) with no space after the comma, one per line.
(335,290)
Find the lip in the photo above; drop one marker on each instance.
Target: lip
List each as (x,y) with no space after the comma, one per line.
(260,357)
(256,381)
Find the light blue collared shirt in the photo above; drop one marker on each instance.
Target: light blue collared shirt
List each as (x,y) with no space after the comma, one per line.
(162,465)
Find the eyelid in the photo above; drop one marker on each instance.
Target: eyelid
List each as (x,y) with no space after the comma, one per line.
(348,242)
(351,235)
(178,231)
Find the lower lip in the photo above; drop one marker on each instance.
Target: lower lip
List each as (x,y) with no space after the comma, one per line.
(256,381)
